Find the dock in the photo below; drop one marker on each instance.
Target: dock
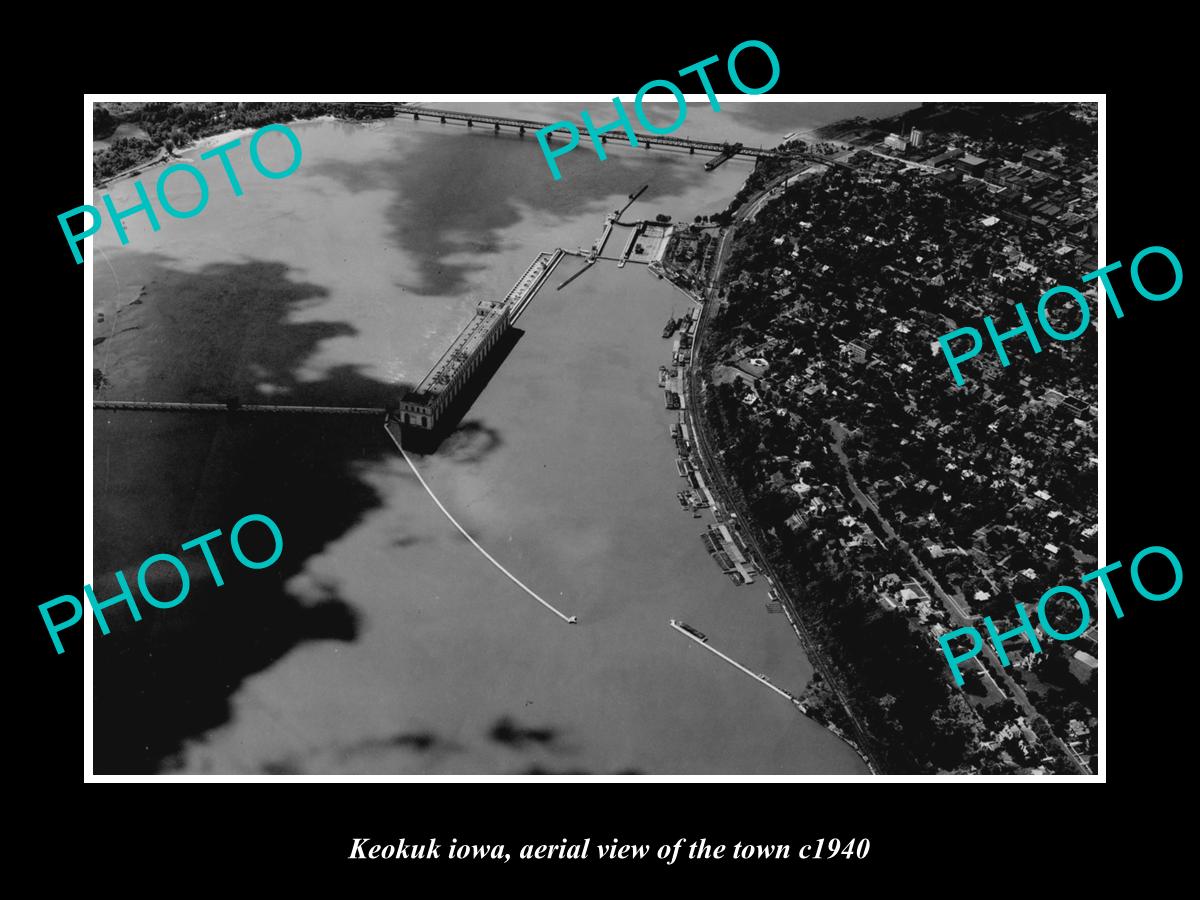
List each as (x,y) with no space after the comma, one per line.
(761,679)
(632,197)
(723,547)
(630,244)
(598,247)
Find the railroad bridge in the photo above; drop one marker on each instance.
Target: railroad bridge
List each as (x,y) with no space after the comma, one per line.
(444,115)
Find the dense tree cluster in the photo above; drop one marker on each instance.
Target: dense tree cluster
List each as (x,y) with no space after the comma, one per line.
(123,154)
(897,687)
(104,123)
(174,125)
(883,258)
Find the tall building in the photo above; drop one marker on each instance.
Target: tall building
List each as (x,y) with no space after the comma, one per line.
(856,351)
(916,137)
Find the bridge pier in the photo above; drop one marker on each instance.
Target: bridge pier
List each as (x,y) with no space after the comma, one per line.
(469,123)
(416,118)
(497,127)
(522,129)
(691,151)
(604,138)
(443,120)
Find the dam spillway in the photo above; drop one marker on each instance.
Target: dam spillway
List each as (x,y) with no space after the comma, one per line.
(425,404)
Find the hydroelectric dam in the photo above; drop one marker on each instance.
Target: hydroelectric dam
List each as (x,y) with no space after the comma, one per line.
(428,401)
(422,407)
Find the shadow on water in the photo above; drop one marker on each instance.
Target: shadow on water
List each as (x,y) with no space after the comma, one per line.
(507,731)
(394,753)
(539,770)
(162,479)
(225,331)
(449,205)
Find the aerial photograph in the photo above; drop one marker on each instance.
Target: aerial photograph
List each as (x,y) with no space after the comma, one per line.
(521,449)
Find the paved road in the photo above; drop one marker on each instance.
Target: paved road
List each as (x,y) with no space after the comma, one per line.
(961,617)
(839,432)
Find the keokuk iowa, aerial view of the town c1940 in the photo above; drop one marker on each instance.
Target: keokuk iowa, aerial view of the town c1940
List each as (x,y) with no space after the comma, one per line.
(499,437)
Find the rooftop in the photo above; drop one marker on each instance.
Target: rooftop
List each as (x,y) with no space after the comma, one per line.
(460,351)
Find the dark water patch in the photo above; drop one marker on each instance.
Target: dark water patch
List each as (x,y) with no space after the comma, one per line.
(448,200)
(541,770)
(224,333)
(162,479)
(507,731)
(422,742)
(470,442)
(329,620)
(398,751)
(281,767)
(417,741)
(172,477)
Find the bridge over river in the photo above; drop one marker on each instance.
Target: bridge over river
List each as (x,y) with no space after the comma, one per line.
(154,406)
(521,125)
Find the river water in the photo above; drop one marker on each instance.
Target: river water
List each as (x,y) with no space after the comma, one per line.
(382,642)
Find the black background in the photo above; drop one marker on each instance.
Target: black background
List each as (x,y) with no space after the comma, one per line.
(947,836)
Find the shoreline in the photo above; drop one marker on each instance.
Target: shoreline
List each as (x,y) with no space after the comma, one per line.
(204,142)
(805,641)
(815,654)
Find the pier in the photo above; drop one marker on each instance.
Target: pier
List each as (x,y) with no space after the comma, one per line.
(761,679)
(632,198)
(531,282)
(598,247)
(629,244)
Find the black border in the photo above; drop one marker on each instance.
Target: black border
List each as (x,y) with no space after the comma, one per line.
(1147,415)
